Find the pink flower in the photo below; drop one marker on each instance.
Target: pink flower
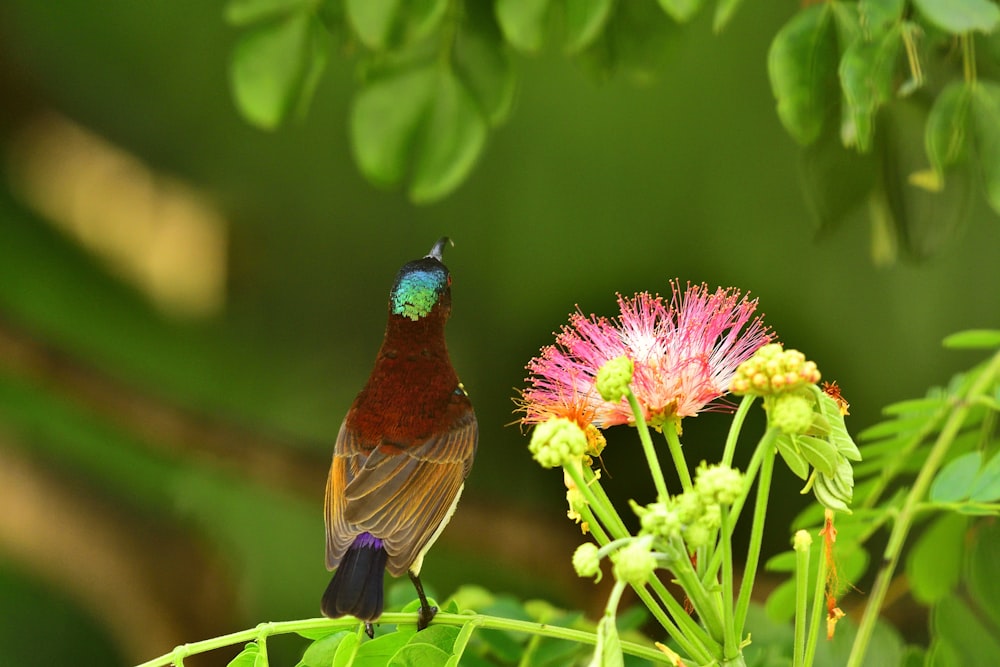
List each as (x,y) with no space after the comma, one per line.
(685,354)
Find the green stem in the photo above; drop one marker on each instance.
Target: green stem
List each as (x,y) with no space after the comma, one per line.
(687,627)
(731,639)
(594,484)
(689,642)
(757,529)
(735,428)
(819,601)
(647,446)
(901,528)
(442,618)
(604,511)
(712,570)
(801,602)
(701,599)
(968,57)
(677,454)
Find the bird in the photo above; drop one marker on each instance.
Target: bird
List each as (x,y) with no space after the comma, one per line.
(402,454)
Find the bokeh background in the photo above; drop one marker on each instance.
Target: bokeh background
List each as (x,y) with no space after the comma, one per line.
(188,305)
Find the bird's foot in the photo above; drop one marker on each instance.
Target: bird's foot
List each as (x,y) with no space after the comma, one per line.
(369,630)
(425,616)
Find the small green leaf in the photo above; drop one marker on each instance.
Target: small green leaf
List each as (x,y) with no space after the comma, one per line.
(821,453)
(637,42)
(681,10)
(791,455)
(948,126)
(866,74)
(608,652)
(985,111)
(385,119)
(274,68)
(372,20)
(452,139)
(801,65)
(973,339)
(419,655)
(724,10)
(484,64)
(523,22)
(960,16)
(346,650)
(934,564)
(954,481)
(983,569)
(441,636)
(877,16)
(380,650)
(584,21)
(986,486)
(243,12)
(963,631)
(247,657)
(836,180)
(322,651)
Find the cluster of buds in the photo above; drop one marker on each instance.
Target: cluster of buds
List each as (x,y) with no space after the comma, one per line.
(773,370)
(557,442)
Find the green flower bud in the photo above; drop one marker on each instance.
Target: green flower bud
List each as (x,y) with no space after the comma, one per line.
(688,507)
(658,519)
(614,378)
(634,563)
(802,540)
(718,484)
(772,370)
(697,535)
(792,413)
(586,562)
(557,442)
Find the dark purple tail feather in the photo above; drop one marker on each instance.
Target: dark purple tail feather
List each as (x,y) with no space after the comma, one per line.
(356,587)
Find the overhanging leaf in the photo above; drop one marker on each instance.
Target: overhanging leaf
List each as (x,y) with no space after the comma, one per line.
(954,481)
(985,112)
(523,22)
(866,73)
(801,65)
(934,564)
(483,63)
(584,21)
(244,12)
(948,126)
(960,16)
(973,339)
(372,20)
(986,486)
(681,10)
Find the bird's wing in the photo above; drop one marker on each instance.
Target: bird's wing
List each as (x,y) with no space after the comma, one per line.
(399,494)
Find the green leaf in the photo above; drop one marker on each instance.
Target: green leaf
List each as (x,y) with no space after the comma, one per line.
(986,136)
(637,41)
(791,455)
(724,10)
(608,652)
(954,481)
(243,12)
(983,569)
(247,657)
(385,119)
(346,650)
(821,453)
(380,650)
(948,126)
(964,633)
(681,10)
(986,486)
(441,636)
(960,16)
(452,139)
(322,651)
(877,16)
(801,65)
(836,181)
(934,564)
(973,339)
(584,21)
(866,73)
(381,24)
(275,67)
(419,655)
(483,63)
(523,22)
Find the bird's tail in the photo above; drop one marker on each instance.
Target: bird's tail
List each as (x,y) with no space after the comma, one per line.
(356,587)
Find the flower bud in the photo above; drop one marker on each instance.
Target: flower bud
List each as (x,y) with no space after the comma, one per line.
(772,370)
(634,562)
(802,540)
(792,413)
(718,484)
(614,378)
(586,562)
(658,519)
(557,442)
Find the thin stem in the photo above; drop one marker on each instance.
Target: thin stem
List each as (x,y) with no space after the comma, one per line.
(901,528)
(968,57)
(442,618)
(686,625)
(701,599)
(602,510)
(817,613)
(801,602)
(731,640)
(735,428)
(688,642)
(757,529)
(594,484)
(647,446)
(677,454)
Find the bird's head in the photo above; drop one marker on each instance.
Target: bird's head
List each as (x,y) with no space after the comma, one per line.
(421,285)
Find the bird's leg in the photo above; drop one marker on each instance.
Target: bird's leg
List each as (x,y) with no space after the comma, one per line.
(427,612)
(369,630)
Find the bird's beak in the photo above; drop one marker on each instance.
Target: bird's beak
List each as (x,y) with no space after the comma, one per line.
(439,247)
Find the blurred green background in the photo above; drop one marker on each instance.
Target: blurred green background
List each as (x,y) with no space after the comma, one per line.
(170,390)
